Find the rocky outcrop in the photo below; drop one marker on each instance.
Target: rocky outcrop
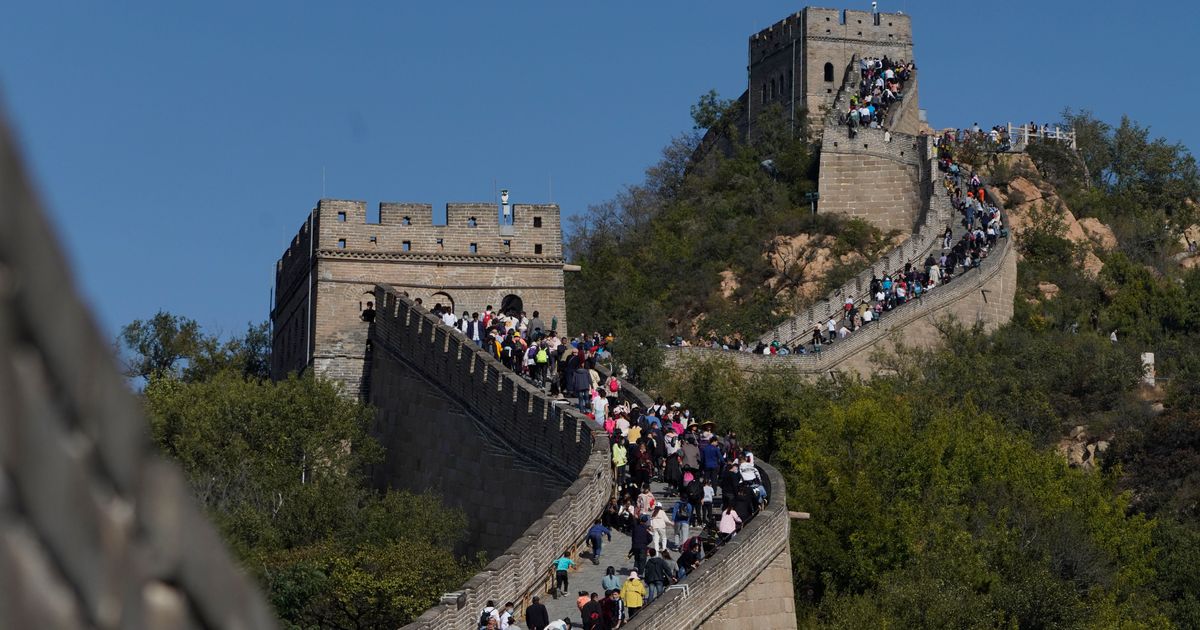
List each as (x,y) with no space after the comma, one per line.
(1099,234)
(801,263)
(1021,195)
(1080,449)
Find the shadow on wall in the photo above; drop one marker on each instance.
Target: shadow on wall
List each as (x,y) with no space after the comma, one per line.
(531,475)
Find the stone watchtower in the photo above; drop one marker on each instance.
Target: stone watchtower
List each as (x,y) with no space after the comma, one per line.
(478,258)
(799,62)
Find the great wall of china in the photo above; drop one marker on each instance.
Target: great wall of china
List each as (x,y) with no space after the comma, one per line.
(135,550)
(861,177)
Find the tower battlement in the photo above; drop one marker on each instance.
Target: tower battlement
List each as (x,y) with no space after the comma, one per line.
(476,258)
(798,62)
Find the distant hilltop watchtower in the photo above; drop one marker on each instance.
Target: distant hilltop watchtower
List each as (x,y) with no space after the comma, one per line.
(323,282)
(799,62)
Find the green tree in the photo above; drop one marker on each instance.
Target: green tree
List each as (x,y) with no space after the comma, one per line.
(916,497)
(160,345)
(281,468)
(173,346)
(710,111)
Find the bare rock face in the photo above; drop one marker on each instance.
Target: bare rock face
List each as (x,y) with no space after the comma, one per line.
(1049,290)
(1024,195)
(1098,233)
(1080,450)
(801,263)
(729,283)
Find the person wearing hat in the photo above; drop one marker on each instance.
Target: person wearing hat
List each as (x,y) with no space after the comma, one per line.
(633,593)
(710,458)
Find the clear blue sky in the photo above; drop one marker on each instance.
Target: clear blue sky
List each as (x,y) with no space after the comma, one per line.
(181,145)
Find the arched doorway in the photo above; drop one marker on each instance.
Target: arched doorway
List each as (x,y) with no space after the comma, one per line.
(511,305)
(443,298)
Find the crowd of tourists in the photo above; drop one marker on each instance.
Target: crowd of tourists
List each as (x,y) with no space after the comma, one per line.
(708,489)
(980,227)
(527,346)
(881,85)
(1003,138)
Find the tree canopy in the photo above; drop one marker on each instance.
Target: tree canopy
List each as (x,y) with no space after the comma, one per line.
(282,468)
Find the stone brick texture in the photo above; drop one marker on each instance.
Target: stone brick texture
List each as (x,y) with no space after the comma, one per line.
(937,212)
(97,530)
(531,473)
(323,284)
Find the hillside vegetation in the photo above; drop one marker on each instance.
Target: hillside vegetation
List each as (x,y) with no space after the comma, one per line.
(282,469)
(723,245)
(1022,478)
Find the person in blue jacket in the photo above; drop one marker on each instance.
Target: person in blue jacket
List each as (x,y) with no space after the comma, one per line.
(710,459)
(595,537)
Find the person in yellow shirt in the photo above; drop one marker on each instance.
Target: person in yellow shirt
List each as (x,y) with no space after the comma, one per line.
(620,460)
(633,592)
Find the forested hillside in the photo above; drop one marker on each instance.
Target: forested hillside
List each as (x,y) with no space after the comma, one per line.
(1023,478)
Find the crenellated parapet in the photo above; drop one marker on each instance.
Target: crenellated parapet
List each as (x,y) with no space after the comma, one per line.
(480,257)
(532,503)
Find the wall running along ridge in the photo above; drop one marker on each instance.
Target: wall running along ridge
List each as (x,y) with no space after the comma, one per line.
(427,378)
(984,295)
(97,530)
(419,365)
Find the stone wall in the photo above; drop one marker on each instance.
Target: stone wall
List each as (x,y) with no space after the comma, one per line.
(982,295)
(767,602)
(792,54)
(741,586)
(877,174)
(97,530)
(937,212)
(454,419)
(328,272)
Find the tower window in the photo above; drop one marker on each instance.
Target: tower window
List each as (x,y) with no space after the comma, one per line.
(474,248)
(374,239)
(440,243)
(537,248)
(341,243)
(406,221)
(828,71)
(507,245)
(772,89)
(537,221)
(406,246)
(341,217)
(763,99)
(472,222)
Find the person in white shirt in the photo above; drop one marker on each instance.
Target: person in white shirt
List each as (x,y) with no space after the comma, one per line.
(600,408)
(623,425)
